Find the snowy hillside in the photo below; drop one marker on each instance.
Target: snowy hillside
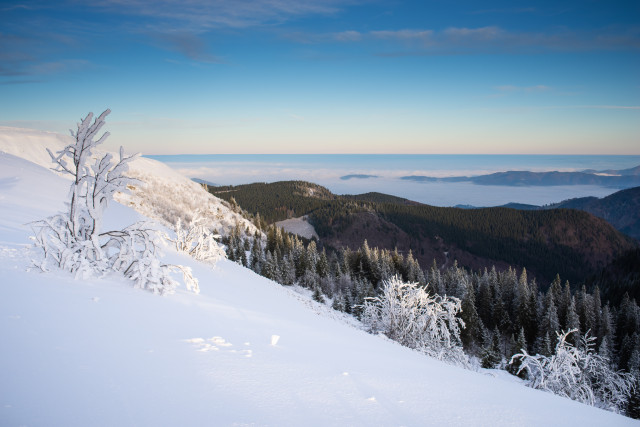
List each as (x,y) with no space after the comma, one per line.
(245,351)
(163,194)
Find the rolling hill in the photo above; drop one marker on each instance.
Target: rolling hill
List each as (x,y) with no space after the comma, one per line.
(572,243)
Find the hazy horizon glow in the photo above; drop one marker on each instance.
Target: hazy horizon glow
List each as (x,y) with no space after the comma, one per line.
(329,76)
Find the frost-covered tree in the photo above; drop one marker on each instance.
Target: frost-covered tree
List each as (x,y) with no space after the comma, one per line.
(197,240)
(408,314)
(74,240)
(579,373)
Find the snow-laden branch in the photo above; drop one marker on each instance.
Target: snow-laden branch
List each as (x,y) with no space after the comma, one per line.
(408,314)
(578,373)
(197,240)
(74,241)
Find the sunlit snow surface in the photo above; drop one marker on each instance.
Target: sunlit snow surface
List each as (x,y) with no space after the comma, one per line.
(97,352)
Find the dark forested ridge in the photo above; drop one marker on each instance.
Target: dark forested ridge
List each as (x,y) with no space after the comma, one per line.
(621,209)
(620,277)
(569,242)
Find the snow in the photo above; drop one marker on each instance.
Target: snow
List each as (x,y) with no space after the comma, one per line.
(164,194)
(299,226)
(245,351)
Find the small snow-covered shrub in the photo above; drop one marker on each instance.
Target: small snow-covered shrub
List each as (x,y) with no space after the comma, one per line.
(579,373)
(74,240)
(197,240)
(408,314)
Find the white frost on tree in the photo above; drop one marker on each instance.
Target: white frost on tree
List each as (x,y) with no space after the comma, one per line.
(408,314)
(197,240)
(74,240)
(578,373)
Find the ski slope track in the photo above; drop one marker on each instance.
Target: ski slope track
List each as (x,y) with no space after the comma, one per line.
(245,351)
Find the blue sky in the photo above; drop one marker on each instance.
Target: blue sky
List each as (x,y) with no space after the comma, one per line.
(331,76)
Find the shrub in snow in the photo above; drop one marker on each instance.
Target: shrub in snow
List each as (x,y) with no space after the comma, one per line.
(197,240)
(577,372)
(74,240)
(408,314)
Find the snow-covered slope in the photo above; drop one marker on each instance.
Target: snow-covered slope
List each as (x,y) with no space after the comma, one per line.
(163,194)
(98,352)
(299,226)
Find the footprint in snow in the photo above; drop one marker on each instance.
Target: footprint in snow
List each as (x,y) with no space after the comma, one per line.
(217,344)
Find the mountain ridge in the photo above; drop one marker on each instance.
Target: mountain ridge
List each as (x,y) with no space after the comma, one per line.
(570,242)
(624,178)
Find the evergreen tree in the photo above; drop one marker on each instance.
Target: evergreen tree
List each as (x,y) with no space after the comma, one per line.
(563,306)
(485,303)
(338,302)
(256,257)
(521,346)
(322,266)
(633,402)
(491,355)
(607,326)
(317,295)
(243,258)
(288,271)
(546,347)
(573,323)
(471,333)
(550,324)
(597,314)
(556,288)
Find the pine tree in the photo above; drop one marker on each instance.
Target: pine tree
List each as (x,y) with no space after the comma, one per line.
(256,254)
(317,295)
(288,271)
(550,324)
(563,306)
(485,303)
(633,402)
(338,302)
(471,333)
(546,347)
(597,311)
(491,355)
(573,322)
(322,267)
(520,347)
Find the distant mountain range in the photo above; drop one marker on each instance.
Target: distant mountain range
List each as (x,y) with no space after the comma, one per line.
(625,178)
(621,209)
(357,176)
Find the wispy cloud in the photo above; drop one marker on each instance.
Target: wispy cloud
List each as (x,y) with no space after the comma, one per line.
(15,7)
(403,34)
(348,36)
(504,11)
(19,82)
(184,25)
(610,107)
(472,34)
(525,89)
(208,14)
(62,66)
(487,39)
(187,44)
